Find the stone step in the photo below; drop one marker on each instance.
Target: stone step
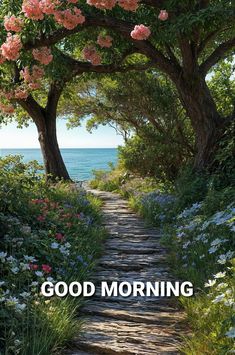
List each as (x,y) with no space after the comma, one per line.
(105,336)
(131,262)
(131,314)
(151,274)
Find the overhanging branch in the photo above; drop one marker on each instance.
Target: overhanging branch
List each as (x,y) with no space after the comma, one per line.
(218,54)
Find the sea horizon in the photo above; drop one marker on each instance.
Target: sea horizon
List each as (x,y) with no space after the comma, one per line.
(80,162)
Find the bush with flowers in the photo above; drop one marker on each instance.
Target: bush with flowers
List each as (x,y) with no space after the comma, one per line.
(47,232)
(197,219)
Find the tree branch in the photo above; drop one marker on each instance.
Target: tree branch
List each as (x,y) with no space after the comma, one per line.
(53,97)
(122,27)
(210,37)
(218,54)
(34,110)
(79,67)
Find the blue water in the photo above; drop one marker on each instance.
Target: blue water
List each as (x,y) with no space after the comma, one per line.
(79,162)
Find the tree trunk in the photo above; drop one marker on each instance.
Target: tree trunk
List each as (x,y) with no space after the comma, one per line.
(208,125)
(53,161)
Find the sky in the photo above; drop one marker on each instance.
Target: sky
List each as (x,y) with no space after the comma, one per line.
(103,137)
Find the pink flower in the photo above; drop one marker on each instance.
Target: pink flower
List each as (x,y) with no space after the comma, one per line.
(163,16)
(104,41)
(41,218)
(59,236)
(102,4)
(7,109)
(43,55)
(21,93)
(33,79)
(90,53)
(46,268)
(33,266)
(13,23)
(129,5)
(11,48)
(32,9)
(48,6)
(69,19)
(9,95)
(140,32)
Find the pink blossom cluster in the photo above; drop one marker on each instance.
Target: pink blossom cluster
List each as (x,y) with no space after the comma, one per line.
(104,41)
(49,6)
(33,79)
(129,5)
(163,16)
(11,48)
(69,19)
(21,93)
(8,94)
(13,23)
(90,53)
(140,32)
(7,108)
(43,55)
(102,4)
(32,9)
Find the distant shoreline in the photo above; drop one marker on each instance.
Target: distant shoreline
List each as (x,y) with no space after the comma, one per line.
(60,148)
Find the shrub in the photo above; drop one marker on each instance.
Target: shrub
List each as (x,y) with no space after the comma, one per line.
(47,232)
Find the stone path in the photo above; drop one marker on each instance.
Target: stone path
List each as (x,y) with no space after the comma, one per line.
(129,325)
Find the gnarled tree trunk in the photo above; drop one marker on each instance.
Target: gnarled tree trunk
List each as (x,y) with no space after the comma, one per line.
(208,125)
(45,120)
(53,161)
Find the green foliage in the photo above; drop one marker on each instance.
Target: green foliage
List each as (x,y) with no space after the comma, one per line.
(151,155)
(57,226)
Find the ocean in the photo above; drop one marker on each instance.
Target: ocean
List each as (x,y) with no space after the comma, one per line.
(80,162)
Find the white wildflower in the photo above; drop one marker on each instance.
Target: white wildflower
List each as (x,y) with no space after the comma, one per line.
(24,266)
(12,301)
(185,245)
(213,249)
(3,256)
(39,273)
(54,245)
(15,270)
(11,259)
(20,307)
(30,259)
(216,242)
(220,275)
(222,259)
(219,298)
(34,284)
(210,283)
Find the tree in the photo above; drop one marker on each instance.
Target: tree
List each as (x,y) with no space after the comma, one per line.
(186,41)
(143,104)
(34,76)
